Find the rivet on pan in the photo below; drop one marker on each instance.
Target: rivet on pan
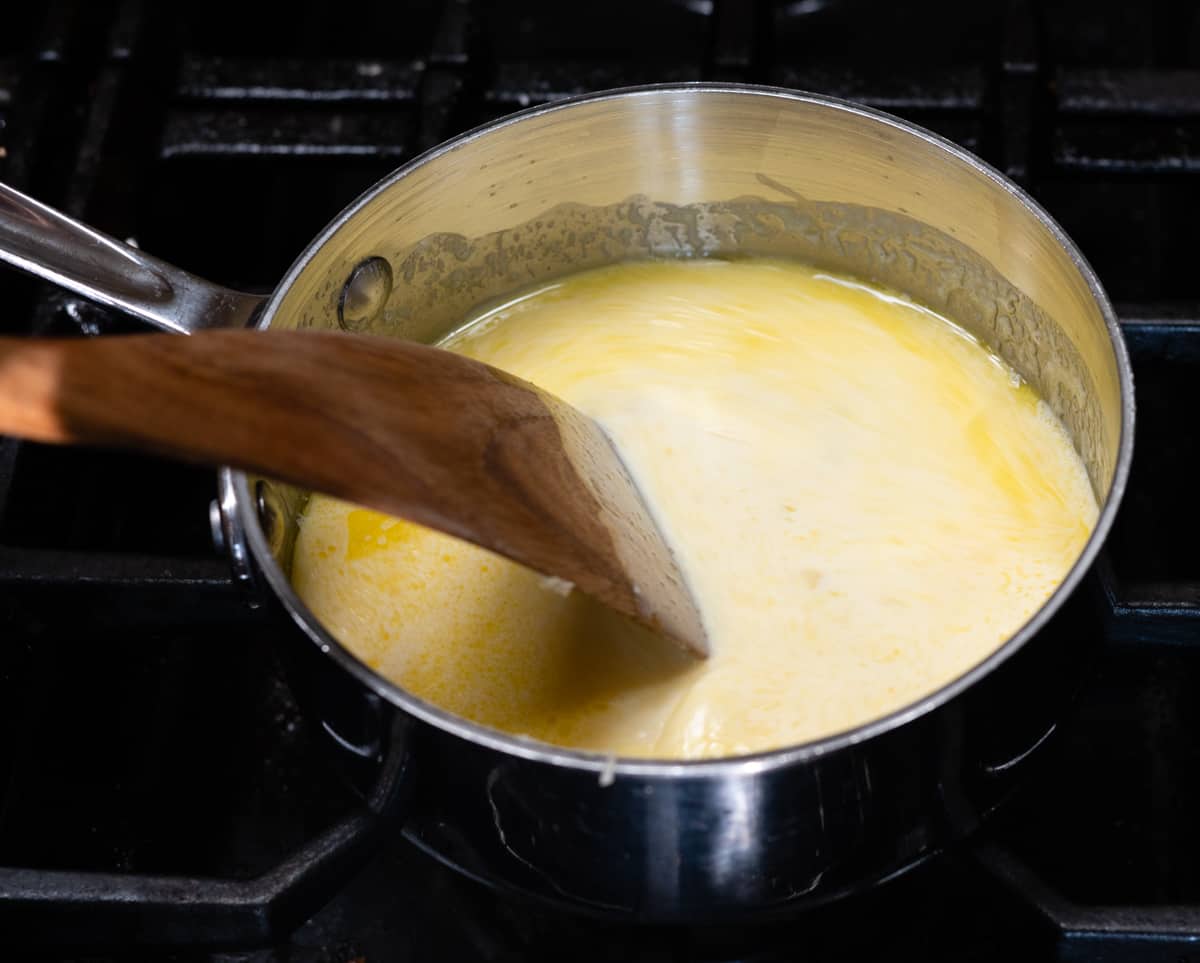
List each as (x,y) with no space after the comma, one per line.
(365,293)
(216,525)
(270,515)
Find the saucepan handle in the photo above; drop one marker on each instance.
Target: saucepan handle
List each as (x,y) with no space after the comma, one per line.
(40,240)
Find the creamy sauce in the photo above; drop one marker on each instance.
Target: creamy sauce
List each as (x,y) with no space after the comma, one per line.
(865,500)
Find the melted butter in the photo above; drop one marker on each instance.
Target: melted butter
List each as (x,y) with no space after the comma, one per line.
(865,500)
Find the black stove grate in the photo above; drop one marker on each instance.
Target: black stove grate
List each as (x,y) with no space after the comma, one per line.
(156,783)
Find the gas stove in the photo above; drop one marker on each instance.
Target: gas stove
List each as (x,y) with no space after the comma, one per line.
(161,797)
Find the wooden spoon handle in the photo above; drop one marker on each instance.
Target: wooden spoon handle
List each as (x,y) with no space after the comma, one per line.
(210,399)
(408,429)
(345,415)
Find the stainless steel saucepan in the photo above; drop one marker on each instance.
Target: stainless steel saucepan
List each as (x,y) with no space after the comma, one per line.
(676,171)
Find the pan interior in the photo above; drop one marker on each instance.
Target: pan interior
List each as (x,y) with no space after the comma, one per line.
(716,173)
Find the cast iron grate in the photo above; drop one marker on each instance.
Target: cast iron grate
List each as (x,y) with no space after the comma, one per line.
(139,808)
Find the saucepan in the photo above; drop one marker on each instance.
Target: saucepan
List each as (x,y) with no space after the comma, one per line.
(670,171)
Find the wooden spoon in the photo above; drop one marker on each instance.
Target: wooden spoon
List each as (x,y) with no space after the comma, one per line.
(404,428)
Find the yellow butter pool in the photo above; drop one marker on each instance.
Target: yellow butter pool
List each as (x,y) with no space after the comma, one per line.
(865,500)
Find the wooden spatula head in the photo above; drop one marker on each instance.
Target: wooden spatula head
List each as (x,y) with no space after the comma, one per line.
(404,428)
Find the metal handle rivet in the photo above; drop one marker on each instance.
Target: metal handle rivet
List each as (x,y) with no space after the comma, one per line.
(216,525)
(270,515)
(365,293)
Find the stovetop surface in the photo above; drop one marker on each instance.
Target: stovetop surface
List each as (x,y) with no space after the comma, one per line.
(145,727)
